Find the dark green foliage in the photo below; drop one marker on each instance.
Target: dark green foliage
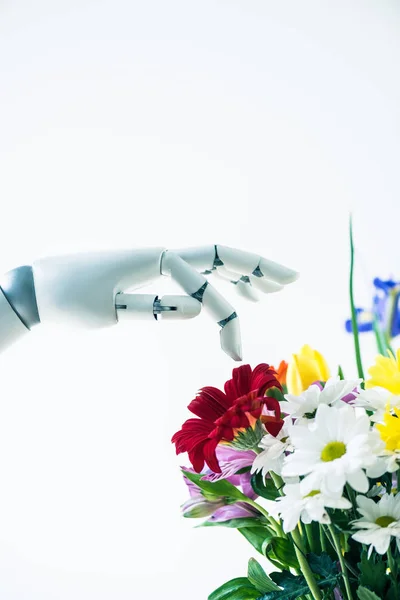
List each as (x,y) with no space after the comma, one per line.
(373,573)
(264,487)
(322,564)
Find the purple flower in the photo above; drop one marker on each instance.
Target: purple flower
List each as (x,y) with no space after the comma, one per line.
(385,308)
(337,594)
(231,461)
(198,506)
(239,510)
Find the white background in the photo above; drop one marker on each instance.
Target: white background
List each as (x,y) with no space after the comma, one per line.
(256,124)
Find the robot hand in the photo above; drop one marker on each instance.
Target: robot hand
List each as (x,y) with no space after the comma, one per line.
(91,290)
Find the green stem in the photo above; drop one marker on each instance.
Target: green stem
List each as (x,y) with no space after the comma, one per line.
(299,548)
(345,574)
(389,328)
(379,336)
(322,539)
(274,524)
(348,565)
(305,567)
(353,309)
(310,538)
(393,570)
(352,498)
(278,481)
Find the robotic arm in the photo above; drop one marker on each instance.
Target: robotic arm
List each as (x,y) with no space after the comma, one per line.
(91,290)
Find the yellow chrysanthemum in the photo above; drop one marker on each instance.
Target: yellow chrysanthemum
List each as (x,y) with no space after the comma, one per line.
(390,430)
(305,368)
(386,373)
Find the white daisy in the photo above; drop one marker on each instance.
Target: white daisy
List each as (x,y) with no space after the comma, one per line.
(273,454)
(387,460)
(334,451)
(376,399)
(305,405)
(294,505)
(379,522)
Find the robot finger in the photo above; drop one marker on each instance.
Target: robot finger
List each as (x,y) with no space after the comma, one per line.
(149,306)
(248,264)
(211,258)
(197,286)
(241,283)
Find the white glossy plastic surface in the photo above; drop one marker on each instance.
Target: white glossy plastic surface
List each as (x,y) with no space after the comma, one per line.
(80,289)
(265,285)
(11,327)
(216,304)
(237,260)
(276,272)
(201,257)
(187,307)
(141,306)
(138,307)
(231,339)
(247,291)
(190,280)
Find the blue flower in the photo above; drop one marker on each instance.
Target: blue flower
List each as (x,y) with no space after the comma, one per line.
(364,321)
(385,307)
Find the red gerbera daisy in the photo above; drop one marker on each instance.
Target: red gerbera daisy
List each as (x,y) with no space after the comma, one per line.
(221,414)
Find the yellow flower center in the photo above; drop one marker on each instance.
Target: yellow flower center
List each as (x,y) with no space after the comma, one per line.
(333,451)
(313,493)
(390,430)
(384,521)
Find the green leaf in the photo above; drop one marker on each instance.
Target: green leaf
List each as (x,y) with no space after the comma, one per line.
(275,393)
(392,593)
(264,487)
(282,550)
(235,589)
(258,577)
(292,587)
(243,470)
(217,488)
(234,523)
(257,536)
(322,564)
(373,573)
(340,372)
(365,594)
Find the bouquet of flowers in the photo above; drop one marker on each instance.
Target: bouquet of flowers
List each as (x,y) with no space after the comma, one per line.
(305,466)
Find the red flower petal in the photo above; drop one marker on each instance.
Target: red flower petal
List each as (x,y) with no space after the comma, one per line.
(220,414)
(273,425)
(210,456)
(210,403)
(264,377)
(196,457)
(272,404)
(239,385)
(193,432)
